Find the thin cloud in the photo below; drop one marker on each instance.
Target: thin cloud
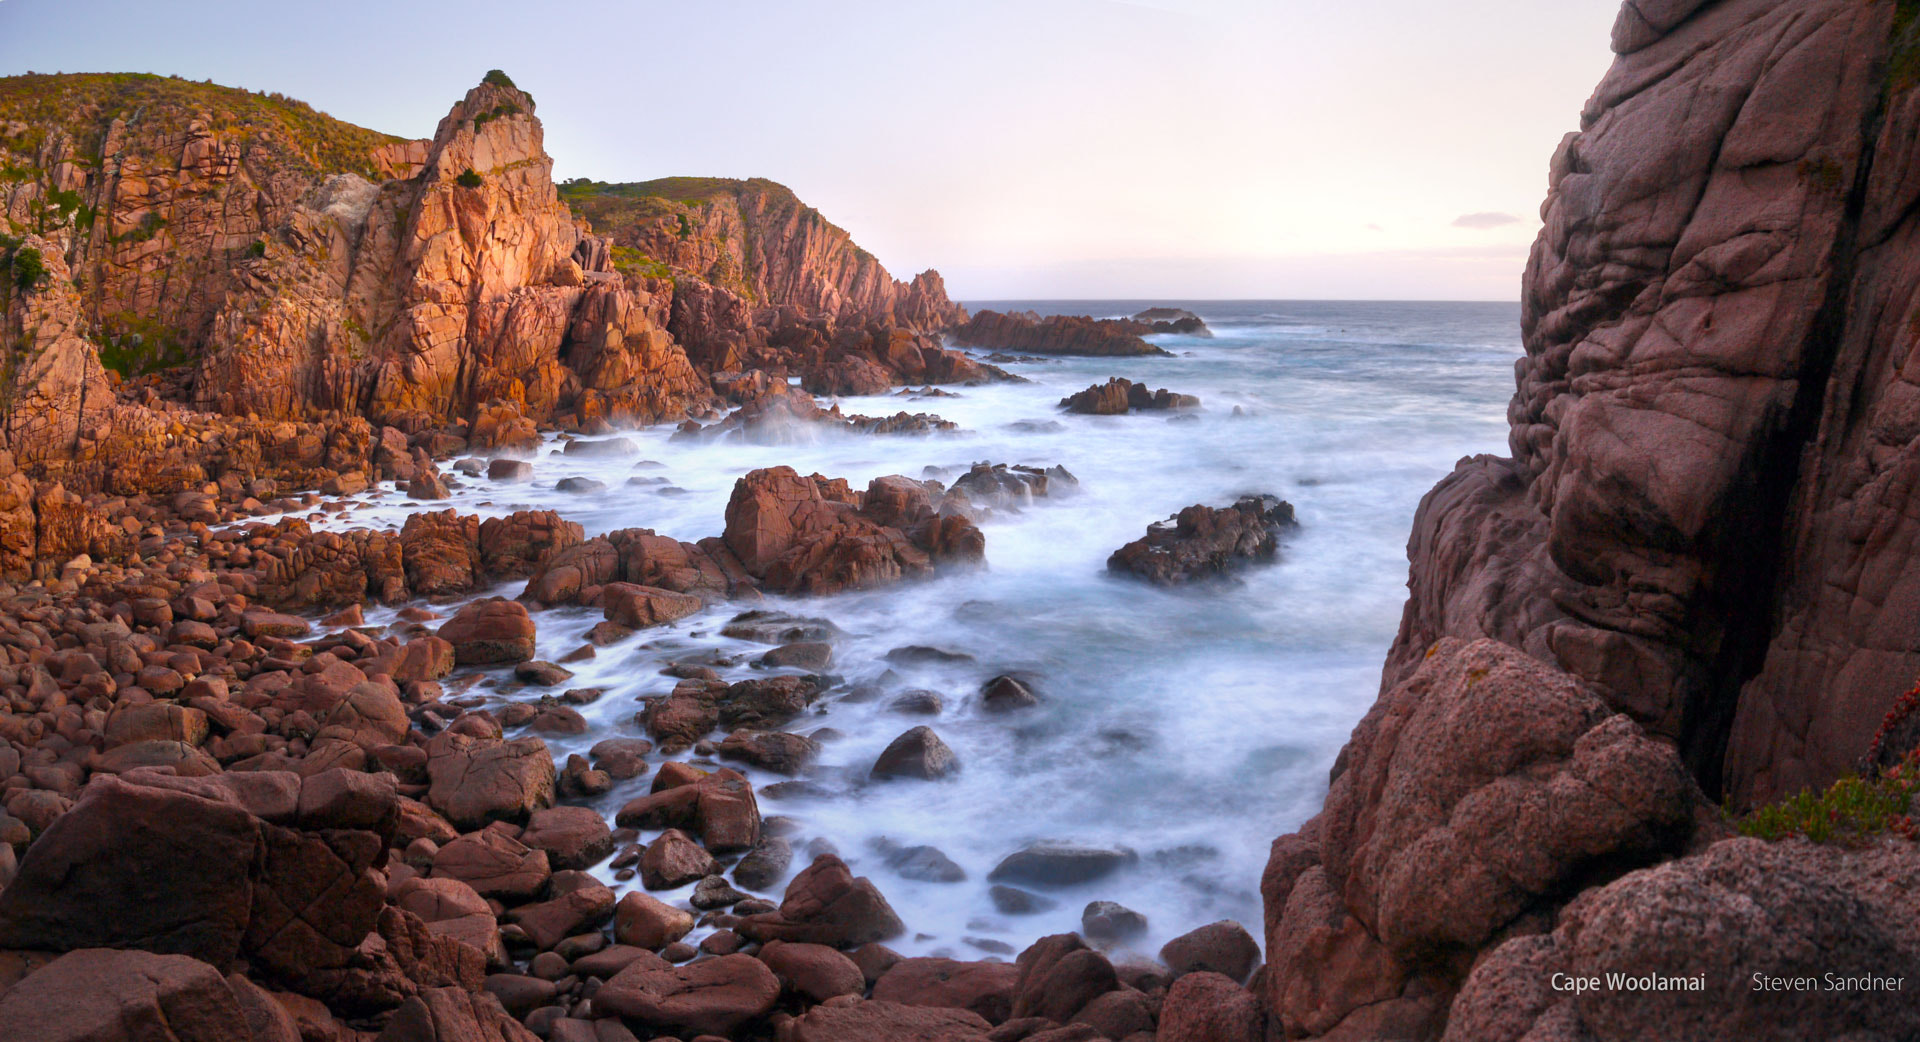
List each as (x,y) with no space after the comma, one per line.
(1487,219)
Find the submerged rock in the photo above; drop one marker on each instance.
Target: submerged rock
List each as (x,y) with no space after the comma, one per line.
(1051,863)
(919,753)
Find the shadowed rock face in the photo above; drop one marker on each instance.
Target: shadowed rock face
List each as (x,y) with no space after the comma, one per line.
(1714,492)
(1707,524)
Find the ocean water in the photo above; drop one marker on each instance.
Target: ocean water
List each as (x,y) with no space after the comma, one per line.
(1191,726)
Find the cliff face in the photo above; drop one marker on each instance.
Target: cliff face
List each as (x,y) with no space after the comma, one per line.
(1711,507)
(1695,578)
(157,187)
(248,256)
(423,298)
(756,239)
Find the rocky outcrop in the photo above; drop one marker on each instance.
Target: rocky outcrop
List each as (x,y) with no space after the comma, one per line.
(1054,334)
(1702,931)
(1174,320)
(784,533)
(755,238)
(430,296)
(1118,396)
(1472,800)
(816,535)
(1682,586)
(1715,475)
(1203,542)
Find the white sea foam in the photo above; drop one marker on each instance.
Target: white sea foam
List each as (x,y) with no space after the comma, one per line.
(1192,726)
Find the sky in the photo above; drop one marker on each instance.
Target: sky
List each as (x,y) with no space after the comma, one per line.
(1028,149)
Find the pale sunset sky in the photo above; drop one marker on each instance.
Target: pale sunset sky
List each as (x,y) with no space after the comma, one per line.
(1389,149)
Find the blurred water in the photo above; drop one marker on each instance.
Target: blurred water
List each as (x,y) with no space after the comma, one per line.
(1192,726)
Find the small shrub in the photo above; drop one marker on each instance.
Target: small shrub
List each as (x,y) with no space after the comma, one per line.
(499,79)
(258,248)
(1851,811)
(29,268)
(468,179)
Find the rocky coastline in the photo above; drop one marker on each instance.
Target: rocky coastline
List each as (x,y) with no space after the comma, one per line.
(269,775)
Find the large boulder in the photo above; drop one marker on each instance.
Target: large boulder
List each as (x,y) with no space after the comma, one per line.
(1486,788)
(490,631)
(473,781)
(1207,1007)
(815,535)
(826,904)
(1749,940)
(886,1022)
(708,997)
(638,607)
(985,988)
(131,866)
(101,995)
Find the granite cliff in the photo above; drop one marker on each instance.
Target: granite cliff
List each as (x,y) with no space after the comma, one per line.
(1692,582)
(201,278)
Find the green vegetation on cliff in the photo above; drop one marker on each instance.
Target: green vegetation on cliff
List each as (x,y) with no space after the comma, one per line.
(84,105)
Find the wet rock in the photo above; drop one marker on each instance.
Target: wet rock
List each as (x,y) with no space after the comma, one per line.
(1207,1007)
(474,781)
(983,988)
(621,758)
(638,607)
(719,807)
(708,997)
(519,994)
(920,863)
(713,892)
(887,1022)
(1050,863)
(826,904)
(490,631)
(766,704)
(1004,694)
(607,448)
(494,865)
(813,535)
(509,470)
(541,674)
(919,753)
(101,995)
(1107,921)
(548,923)
(673,861)
(813,971)
(1014,901)
(573,837)
(451,908)
(579,486)
(811,655)
(775,751)
(643,921)
(1224,947)
(922,655)
(776,627)
(764,865)
(1202,542)
(557,719)
(917,703)
(1059,975)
